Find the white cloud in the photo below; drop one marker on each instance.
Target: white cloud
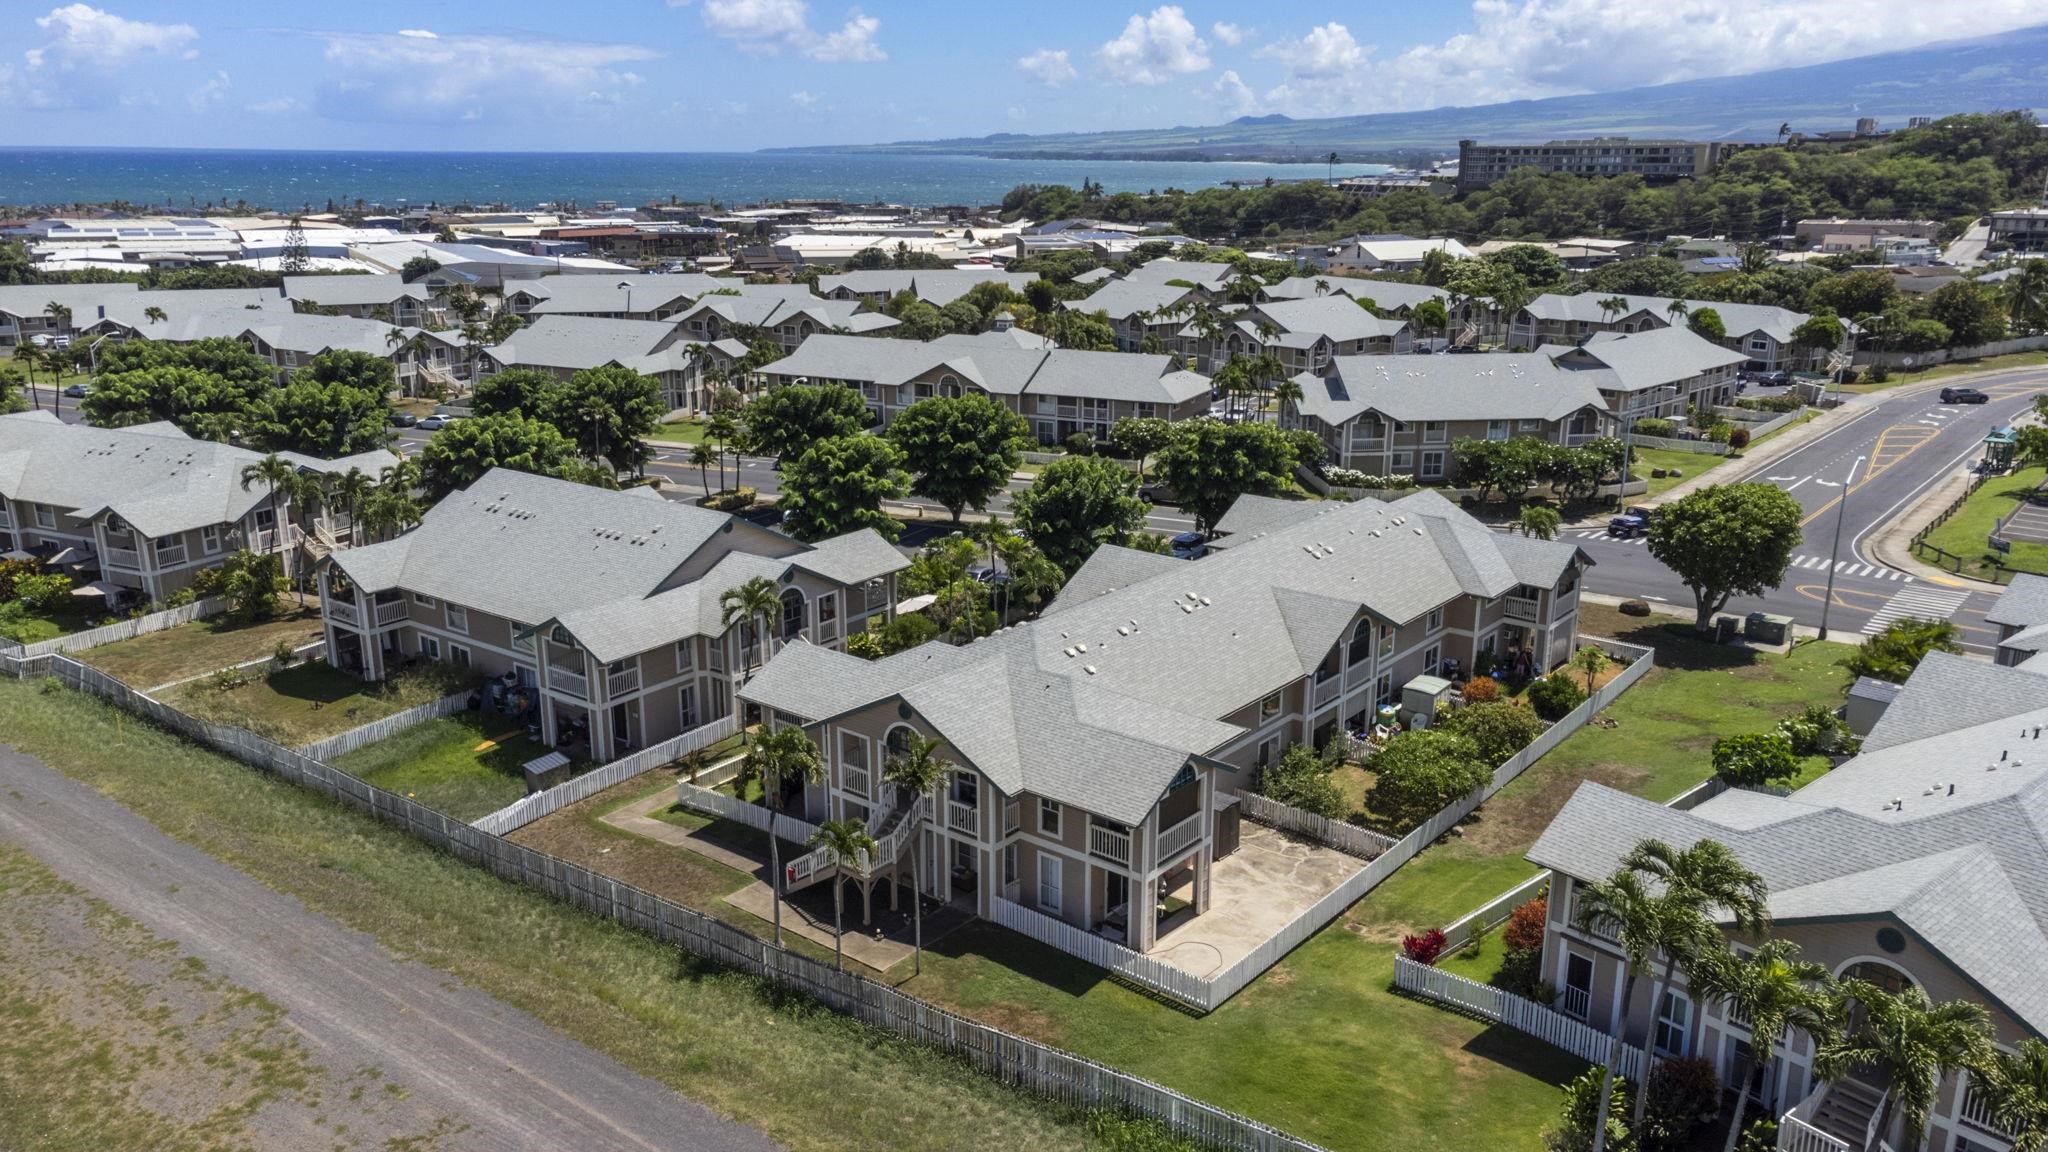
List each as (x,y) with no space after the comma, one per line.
(1231,34)
(418,33)
(1326,51)
(84,35)
(1235,94)
(404,76)
(1529,49)
(768,26)
(280,106)
(210,93)
(1048,66)
(804,99)
(1154,49)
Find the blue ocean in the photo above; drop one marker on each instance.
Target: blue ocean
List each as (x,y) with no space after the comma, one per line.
(191,179)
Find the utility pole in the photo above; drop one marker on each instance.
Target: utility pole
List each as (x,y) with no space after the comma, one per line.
(1835,549)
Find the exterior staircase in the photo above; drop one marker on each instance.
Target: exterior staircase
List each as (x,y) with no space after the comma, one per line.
(894,829)
(1848,1112)
(319,543)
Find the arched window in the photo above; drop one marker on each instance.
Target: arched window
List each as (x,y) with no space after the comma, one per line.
(897,742)
(949,386)
(1888,977)
(792,613)
(1361,641)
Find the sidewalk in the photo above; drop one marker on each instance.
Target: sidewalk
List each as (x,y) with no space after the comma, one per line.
(1893,543)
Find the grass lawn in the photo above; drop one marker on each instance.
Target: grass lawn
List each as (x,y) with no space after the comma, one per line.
(26,626)
(310,701)
(466,765)
(1690,463)
(681,432)
(1943,371)
(198,648)
(1968,532)
(1319,1045)
(809,1078)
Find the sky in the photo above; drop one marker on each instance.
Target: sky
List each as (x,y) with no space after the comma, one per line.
(735,75)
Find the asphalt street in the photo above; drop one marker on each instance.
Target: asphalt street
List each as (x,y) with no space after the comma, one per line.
(1861,474)
(512,1080)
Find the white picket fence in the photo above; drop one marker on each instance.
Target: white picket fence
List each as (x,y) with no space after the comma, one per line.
(1048,1072)
(123,629)
(787,828)
(527,809)
(1459,932)
(1546,1024)
(1208,994)
(342,743)
(1347,838)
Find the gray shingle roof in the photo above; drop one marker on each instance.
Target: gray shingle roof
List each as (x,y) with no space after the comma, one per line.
(998,368)
(933,286)
(1386,295)
(1736,319)
(1944,828)
(649,347)
(1502,386)
(583,294)
(1334,316)
(2024,602)
(1108,569)
(1212,276)
(1123,299)
(312,334)
(352,290)
(1177,644)
(1650,359)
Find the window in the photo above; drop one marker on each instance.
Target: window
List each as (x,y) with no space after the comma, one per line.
(1400,426)
(423,600)
(1436,619)
(1383,689)
(209,539)
(458,619)
(1496,429)
(1009,864)
(1433,432)
(430,648)
(1049,816)
(1531,425)
(686,706)
(1432,656)
(1361,642)
(828,608)
(686,655)
(458,655)
(1402,461)
(1576,998)
(792,614)
(522,637)
(46,516)
(1432,465)
(1049,883)
(1673,1016)
(1386,640)
(1269,707)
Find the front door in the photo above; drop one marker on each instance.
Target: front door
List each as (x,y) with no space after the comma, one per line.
(1576,999)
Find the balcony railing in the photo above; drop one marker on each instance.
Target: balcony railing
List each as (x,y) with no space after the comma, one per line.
(127,558)
(1109,844)
(961,816)
(168,557)
(1179,836)
(618,683)
(569,683)
(1976,1112)
(1600,926)
(856,780)
(390,612)
(1327,689)
(1575,1002)
(342,612)
(1521,608)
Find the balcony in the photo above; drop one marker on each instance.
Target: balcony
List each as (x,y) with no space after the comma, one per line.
(961,816)
(855,780)
(1178,837)
(619,683)
(1976,1112)
(342,612)
(1521,608)
(1574,1002)
(1109,844)
(125,558)
(389,613)
(1327,688)
(170,557)
(572,684)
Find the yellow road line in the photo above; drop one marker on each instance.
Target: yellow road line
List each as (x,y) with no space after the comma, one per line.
(1871,469)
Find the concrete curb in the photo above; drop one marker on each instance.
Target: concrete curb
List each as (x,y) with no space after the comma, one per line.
(1684,612)
(1893,543)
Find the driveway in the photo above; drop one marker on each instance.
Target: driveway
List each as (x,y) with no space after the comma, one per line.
(1254,892)
(508,1079)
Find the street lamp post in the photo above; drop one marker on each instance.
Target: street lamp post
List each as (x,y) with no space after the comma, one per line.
(1834,550)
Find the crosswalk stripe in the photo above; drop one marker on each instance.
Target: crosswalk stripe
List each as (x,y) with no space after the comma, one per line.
(1921,602)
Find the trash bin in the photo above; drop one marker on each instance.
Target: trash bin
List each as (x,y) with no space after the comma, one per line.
(1765,628)
(1725,628)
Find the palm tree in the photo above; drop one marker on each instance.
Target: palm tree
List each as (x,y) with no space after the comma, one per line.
(2026,295)
(848,840)
(1675,312)
(916,771)
(349,490)
(1784,130)
(1774,989)
(1911,1039)
(694,762)
(283,480)
(778,758)
(701,455)
(1611,307)
(1537,521)
(1288,393)
(59,313)
(1330,168)
(1642,922)
(1705,877)
(754,603)
(2014,1086)
(30,355)
(155,315)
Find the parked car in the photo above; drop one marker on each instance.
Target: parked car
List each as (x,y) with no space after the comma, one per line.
(402,420)
(1963,396)
(987,574)
(1190,546)
(1158,494)
(77,391)
(1631,523)
(436,422)
(1770,379)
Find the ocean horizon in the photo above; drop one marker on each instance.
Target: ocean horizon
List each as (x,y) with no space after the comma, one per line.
(194,179)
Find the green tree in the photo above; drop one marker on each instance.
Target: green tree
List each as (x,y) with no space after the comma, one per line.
(1068,328)
(250,582)
(1706,324)
(2026,303)
(1538,521)
(2015,1088)
(1418,773)
(1909,1039)
(1076,505)
(1726,540)
(1773,989)
(1497,728)
(1753,759)
(753,605)
(961,450)
(1972,312)
(461,453)
(1138,437)
(779,759)
(359,370)
(838,486)
(1893,653)
(323,419)
(916,771)
(1590,660)
(1820,332)
(1210,464)
(849,842)
(607,411)
(786,420)
(1301,779)
(518,391)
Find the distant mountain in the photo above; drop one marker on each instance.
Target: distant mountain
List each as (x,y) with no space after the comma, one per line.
(1993,73)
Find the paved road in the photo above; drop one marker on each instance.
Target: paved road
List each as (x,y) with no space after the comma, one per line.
(1883,459)
(458,1051)
(1968,248)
